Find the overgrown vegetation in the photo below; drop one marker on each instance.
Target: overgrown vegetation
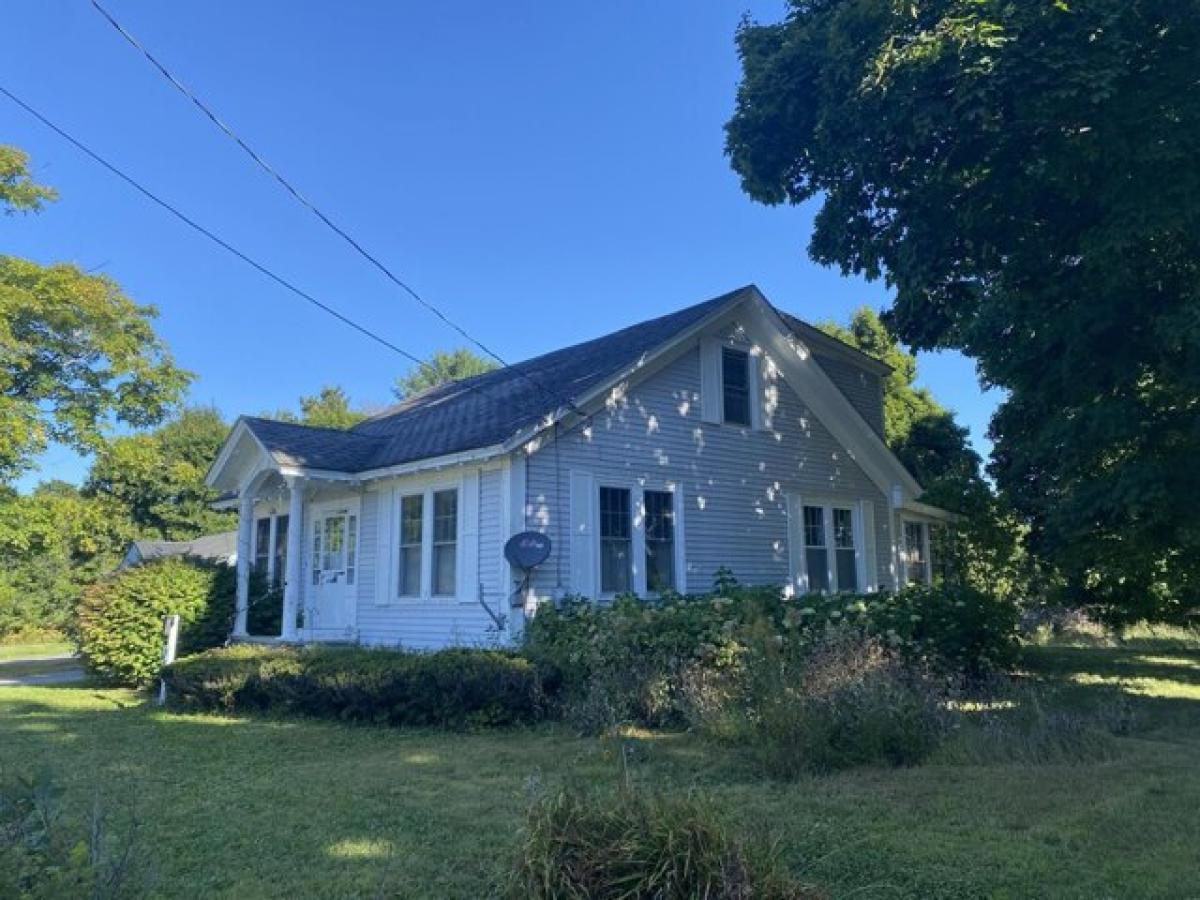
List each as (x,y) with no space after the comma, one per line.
(120,621)
(449,689)
(630,661)
(45,853)
(592,845)
(429,813)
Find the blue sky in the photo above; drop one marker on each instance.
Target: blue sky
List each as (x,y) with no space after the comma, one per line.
(544,172)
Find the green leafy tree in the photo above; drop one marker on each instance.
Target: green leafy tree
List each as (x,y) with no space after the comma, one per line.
(156,479)
(18,191)
(76,354)
(984,548)
(1023,175)
(445,366)
(330,408)
(54,541)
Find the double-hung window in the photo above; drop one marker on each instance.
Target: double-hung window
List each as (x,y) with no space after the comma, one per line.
(831,536)
(660,541)
(816,548)
(270,548)
(916,553)
(262,544)
(412,525)
(844,551)
(445,543)
(616,541)
(427,544)
(735,386)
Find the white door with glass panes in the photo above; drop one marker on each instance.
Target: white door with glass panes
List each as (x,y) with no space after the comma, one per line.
(330,591)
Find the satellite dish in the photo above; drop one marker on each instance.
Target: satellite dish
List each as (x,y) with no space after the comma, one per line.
(527,550)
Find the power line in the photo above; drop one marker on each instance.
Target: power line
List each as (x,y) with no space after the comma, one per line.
(221,242)
(258,159)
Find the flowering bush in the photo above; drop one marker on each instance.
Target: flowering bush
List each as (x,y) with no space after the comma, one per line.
(630,661)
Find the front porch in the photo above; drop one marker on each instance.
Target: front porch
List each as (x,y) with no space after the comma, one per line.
(297,561)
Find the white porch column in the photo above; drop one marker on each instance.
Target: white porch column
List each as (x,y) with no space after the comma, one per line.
(295,551)
(245,525)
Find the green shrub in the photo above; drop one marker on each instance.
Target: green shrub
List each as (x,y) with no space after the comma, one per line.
(451,688)
(631,661)
(621,845)
(120,619)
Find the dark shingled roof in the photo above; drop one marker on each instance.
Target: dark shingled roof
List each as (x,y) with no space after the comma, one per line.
(482,411)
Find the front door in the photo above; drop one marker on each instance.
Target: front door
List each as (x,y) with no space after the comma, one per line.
(332,570)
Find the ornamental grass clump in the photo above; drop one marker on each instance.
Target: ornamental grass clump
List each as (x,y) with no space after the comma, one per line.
(845,700)
(623,844)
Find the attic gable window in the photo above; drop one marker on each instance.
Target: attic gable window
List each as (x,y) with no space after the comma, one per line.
(735,386)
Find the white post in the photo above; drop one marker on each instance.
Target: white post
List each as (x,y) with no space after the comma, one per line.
(245,529)
(171,633)
(295,552)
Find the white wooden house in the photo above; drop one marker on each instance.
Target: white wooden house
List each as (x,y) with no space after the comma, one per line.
(727,434)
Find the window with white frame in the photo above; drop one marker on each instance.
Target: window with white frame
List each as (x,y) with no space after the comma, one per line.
(816,548)
(616,541)
(832,555)
(262,544)
(412,525)
(660,541)
(427,544)
(270,548)
(844,551)
(916,553)
(445,543)
(735,386)
(280,552)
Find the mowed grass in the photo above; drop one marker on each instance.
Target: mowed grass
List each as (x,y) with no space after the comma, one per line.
(33,651)
(255,808)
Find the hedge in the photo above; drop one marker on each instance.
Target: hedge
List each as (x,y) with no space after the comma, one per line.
(451,688)
(119,622)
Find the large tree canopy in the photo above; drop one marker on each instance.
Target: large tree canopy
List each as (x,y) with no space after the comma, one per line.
(1023,175)
(445,366)
(984,547)
(156,479)
(76,354)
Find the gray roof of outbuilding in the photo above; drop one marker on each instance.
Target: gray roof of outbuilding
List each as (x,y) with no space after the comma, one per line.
(477,412)
(216,547)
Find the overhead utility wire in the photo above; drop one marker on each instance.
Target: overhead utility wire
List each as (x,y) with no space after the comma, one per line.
(221,242)
(212,116)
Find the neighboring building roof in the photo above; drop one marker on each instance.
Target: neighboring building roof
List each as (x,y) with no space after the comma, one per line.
(220,547)
(489,409)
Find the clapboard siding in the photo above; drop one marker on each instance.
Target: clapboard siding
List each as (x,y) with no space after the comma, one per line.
(863,389)
(734,479)
(437,623)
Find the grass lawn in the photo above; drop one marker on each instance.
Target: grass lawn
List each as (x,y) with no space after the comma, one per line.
(253,808)
(32,651)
